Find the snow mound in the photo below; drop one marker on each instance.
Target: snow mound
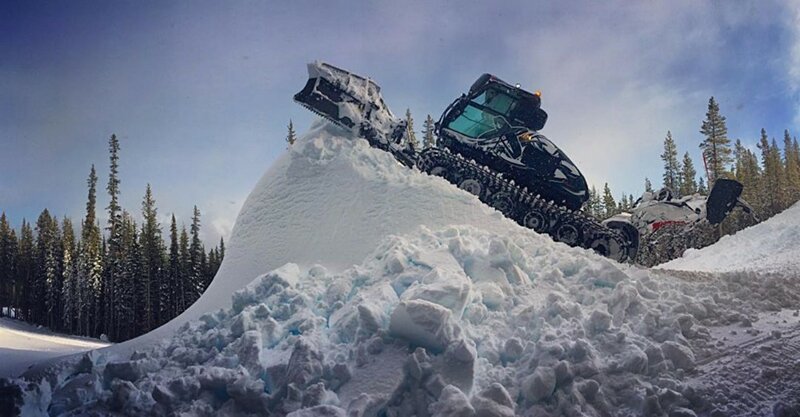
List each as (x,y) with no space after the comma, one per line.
(768,247)
(331,199)
(355,286)
(455,321)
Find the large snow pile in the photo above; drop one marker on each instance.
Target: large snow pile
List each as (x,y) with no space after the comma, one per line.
(363,312)
(770,246)
(329,200)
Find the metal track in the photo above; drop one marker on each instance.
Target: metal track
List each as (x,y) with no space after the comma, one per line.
(532,211)
(671,241)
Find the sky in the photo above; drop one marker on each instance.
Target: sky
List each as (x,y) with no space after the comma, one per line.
(200,92)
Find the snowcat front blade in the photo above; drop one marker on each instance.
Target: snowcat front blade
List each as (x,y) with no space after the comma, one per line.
(355,103)
(722,200)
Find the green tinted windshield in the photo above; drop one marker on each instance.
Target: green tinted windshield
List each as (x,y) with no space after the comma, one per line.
(484,114)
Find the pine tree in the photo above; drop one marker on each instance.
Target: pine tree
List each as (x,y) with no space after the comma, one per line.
(429,137)
(90,266)
(701,187)
(648,187)
(172,292)
(672,168)
(196,259)
(115,252)
(716,146)
(153,262)
(747,172)
(45,279)
(69,277)
(128,284)
(25,272)
(688,173)
(791,169)
(594,207)
(772,178)
(608,202)
(8,254)
(188,291)
(412,137)
(291,136)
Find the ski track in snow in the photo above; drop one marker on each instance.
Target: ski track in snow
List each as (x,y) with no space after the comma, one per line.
(382,291)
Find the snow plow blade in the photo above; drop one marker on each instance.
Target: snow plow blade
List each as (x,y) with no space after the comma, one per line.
(722,200)
(355,103)
(325,95)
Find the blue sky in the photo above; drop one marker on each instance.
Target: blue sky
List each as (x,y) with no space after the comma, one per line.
(200,92)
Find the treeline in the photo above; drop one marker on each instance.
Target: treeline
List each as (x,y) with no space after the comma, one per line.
(120,281)
(770,175)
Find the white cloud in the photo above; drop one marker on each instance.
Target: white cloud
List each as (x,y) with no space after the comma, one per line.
(794,66)
(617,75)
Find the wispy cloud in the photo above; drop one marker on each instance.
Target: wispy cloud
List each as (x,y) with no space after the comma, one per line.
(794,59)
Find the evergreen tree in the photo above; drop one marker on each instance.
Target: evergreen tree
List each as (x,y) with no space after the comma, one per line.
(26,272)
(594,207)
(772,179)
(69,277)
(90,267)
(115,254)
(172,293)
(608,202)
(701,187)
(672,168)
(716,146)
(196,259)
(128,287)
(791,169)
(648,187)
(688,173)
(188,291)
(153,262)
(211,267)
(291,136)
(747,172)
(429,136)
(412,137)
(8,254)
(45,285)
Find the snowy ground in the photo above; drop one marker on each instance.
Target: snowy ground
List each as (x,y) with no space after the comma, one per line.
(354,286)
(22,345)
(770,247)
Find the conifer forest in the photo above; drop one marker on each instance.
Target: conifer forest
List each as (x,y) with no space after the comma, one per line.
(115,280)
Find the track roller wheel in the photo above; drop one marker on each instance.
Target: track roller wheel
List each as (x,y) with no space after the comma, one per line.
(502,202)
(610,247)
(473,186)
(535,219)
(567,233)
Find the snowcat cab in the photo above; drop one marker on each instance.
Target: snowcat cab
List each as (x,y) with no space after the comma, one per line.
(496,124)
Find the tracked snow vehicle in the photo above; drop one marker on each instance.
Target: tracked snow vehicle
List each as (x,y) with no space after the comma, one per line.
(489,145)
(668,225)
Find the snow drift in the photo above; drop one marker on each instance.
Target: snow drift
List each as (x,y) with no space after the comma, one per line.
(768,247)
(354,286)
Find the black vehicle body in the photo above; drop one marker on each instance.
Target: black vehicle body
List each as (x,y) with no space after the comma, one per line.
(496,124)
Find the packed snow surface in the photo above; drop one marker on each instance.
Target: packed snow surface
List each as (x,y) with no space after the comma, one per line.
(770,246)
(22,345)
(358,287)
